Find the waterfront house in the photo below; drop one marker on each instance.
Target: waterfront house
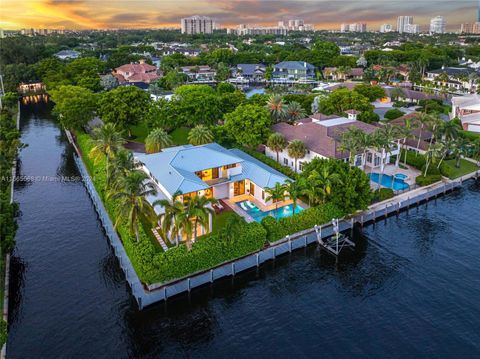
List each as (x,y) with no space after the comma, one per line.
(467,109)
(458,79)
(339,74)
(293,71)
(321,136)
(136,73)
(201,73)
(210,170)
(254,72)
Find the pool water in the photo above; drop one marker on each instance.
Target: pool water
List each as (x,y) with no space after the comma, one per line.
(257,214)
(388,181)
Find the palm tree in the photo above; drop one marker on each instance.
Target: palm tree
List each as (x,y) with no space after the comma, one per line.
(171,210)
(431,156)
(200,135)
(407,132)
(277,142)
(326,180)
(156,140)
(449,130)
(475,150)
(294,111)
(275,194)
(121,165)
(294,189)
(363,142)
(458,149)
(133,205)
(200,211)
(423,119)
(380,143)
(348,143)
(276,107)
(296,150)
(311,187)
(107,141)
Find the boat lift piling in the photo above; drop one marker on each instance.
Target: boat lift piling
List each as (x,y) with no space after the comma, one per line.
(335,244)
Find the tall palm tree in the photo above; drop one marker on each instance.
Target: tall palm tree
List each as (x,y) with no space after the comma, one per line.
(423,119)
(156,140)
(475,150)
(121,165)
(348,143)
(458,149)
(407,133)
(276,106)
(107,141)
(311,187)
(200,135)
(380,143)
(296,150)
(171,210)
(277,142)
(133,205)
(449,130)
(276,194)
(294,111)
(326,180)
(200,211)
(295,190)
(431,155)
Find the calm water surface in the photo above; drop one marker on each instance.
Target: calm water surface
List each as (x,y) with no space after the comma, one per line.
(412,288)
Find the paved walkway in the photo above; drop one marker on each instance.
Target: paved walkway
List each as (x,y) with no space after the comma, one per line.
(159,239)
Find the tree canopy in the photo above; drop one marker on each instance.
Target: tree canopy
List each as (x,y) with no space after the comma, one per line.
(75,105)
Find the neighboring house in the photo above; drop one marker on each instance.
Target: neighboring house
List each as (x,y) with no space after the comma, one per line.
(31,88)
(406,94)
(199,73)
(293,70)
(339,74)
(418,133)
(136,73)
(459,79)
(321,136)
(67,55)
(255,72)
(210,170)
(467,109)
(180,50)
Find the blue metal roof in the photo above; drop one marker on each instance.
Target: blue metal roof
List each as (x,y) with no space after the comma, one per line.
(174,168)
(294,65)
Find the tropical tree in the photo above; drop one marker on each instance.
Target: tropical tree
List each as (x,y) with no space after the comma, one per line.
(277,142)
(475,150)
(349,143)
(380,143)
(459,148)
(407,133)
(423,119)
(294,111)
(75,105)
(107,141)
(200,135)
(131,194)
(325,181)
(171,210)
(198,208)
(296,150)
(156,140)
(449,130)
(276,107)
(276,194)
(295,190)
(121,165)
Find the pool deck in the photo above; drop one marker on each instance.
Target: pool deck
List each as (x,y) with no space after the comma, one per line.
(391,170)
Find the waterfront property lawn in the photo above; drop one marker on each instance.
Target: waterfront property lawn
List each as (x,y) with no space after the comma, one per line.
(180,136)
(466,167)
(140,132)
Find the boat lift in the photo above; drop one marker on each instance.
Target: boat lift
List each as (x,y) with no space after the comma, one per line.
(337,242)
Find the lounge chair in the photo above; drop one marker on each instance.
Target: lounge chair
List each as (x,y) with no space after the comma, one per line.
(244,207)
(250,204)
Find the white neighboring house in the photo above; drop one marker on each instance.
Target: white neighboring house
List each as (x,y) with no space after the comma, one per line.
(467,109)
(460,79)
(321,133)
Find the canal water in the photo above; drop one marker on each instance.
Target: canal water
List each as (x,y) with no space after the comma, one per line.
(412,288)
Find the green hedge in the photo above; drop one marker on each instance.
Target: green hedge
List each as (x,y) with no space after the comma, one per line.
(393,114)
(277,229)
(383,194)
(3,332)
(415,160)
(427,180)
(153,265)
(471,136)
(287,171)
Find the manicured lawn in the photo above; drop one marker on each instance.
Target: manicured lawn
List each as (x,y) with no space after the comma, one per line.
(180,136)
(466,167)
(140,132)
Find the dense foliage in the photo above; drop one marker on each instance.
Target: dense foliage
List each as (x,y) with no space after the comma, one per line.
(75,105)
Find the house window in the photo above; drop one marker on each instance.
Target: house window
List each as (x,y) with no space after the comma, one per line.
(300,166)
(230,166)
(263,195)
(285,161)
(369,157)
(377,161)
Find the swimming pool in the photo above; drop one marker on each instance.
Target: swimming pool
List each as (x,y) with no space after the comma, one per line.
(397,183)
(257,214)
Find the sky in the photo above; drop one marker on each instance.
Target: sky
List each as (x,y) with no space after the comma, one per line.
(324,14)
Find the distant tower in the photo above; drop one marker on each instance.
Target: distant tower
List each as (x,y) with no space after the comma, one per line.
(478,11)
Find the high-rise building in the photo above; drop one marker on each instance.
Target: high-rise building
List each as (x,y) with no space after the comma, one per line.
(438,25)
(386,28)
(478,11)
(470,28)
(403,22)
(197,25)
(357,27)
(247,29)
(412,28)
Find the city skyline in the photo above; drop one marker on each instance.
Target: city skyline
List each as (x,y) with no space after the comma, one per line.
(324,14)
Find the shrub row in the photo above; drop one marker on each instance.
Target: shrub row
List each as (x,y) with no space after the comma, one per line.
(383,194)
(428,179)
(415,160)
(287,171)
(277,229)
